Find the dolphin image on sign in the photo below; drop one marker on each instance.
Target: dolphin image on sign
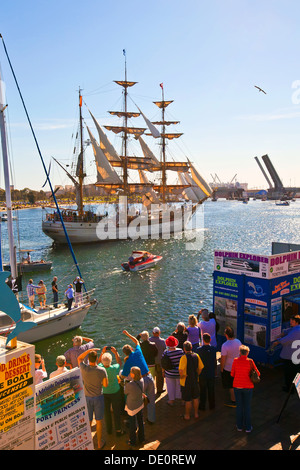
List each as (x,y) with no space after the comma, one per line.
(9,304)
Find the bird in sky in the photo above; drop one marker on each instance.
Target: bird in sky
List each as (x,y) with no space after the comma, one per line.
(260,89)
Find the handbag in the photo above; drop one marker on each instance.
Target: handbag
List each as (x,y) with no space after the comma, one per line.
(145,398)
(254,377)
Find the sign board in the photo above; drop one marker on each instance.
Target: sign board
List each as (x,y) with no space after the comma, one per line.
(62,421)
(297,383)
(241,263)
(17,398)
(265,267)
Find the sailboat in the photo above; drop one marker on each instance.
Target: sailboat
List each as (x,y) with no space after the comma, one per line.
(166,208)
(18,320)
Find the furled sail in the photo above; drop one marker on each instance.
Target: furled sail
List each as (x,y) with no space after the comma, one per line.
(106,147)
(130,130)
(105,172)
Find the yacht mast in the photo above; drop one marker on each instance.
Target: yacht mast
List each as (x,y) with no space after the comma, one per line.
(12,248)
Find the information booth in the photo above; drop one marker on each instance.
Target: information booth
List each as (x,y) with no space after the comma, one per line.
(256,295)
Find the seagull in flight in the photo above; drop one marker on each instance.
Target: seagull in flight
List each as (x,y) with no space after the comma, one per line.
(260,89)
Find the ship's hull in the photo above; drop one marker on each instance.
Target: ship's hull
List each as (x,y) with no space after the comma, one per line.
(30,267)
(81,232)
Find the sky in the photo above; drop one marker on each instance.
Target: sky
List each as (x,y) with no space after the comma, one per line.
(209,55)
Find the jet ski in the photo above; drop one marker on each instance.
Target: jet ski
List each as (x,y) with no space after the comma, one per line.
(140,260)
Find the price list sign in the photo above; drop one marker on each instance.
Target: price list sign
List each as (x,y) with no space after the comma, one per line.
(61,414)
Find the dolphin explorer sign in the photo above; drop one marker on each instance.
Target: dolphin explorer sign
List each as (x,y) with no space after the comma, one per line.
(10,305)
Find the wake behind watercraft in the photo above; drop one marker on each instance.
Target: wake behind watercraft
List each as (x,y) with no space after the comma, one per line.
(140,260)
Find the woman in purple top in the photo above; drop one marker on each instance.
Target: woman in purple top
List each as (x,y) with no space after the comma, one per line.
(194,332)
(208,325)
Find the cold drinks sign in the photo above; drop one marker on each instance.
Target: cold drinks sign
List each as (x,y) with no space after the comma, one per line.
(264,267)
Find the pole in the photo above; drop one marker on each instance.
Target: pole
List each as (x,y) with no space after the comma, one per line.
(42,160)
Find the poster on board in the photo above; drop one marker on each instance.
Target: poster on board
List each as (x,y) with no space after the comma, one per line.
(228,294)
(241,263)
(62,421)
(284,264)
(17,398)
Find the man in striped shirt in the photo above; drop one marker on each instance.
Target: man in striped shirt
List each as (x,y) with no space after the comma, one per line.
(172,375)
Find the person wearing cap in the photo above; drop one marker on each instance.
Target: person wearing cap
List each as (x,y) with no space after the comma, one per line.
(78,348)
(161,347)
(61,367)
(69,293)
(78,283)
(172,376)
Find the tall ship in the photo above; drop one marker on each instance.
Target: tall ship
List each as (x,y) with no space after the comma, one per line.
(149,204)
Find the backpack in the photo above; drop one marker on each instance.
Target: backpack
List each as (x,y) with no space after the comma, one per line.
(166,362)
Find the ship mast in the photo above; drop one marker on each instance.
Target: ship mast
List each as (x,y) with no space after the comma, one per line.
(125,167)
(80,171)
(164,173)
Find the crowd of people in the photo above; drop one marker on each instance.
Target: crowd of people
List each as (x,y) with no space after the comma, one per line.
(73,292)
(185,362)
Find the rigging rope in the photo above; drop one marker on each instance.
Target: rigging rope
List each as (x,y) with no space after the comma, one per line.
(42,160)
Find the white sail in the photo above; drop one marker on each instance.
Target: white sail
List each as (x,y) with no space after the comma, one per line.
(187,193)
(200,181)
(199,193)
(105,172)
(107,148)
(155,132)
(148,153)
(149,196)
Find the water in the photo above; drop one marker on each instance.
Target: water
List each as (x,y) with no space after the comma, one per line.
(180,285)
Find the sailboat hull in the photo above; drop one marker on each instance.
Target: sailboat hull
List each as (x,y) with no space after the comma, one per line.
(79,232)
(53,324)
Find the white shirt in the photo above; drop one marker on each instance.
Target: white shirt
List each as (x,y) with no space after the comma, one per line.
(230,349)
(39,376)
(60,370)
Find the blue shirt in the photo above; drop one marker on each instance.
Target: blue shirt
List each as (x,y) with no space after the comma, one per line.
(70,293)
(287,342)
(135,359)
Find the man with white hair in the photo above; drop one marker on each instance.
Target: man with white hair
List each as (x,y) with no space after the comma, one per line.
(78,348)
(149,351)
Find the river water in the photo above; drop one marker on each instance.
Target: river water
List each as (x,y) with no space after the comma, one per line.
(179,285)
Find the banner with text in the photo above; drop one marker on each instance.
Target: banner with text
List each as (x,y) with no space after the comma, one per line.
(17,407)
(62,421)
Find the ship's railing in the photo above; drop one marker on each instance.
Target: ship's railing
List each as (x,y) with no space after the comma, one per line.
(72,216)
(30,314)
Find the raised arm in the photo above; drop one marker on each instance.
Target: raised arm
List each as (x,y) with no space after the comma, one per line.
(135,340)
(84,354)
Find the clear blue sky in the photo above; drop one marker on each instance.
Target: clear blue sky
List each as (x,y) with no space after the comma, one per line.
(208,54)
